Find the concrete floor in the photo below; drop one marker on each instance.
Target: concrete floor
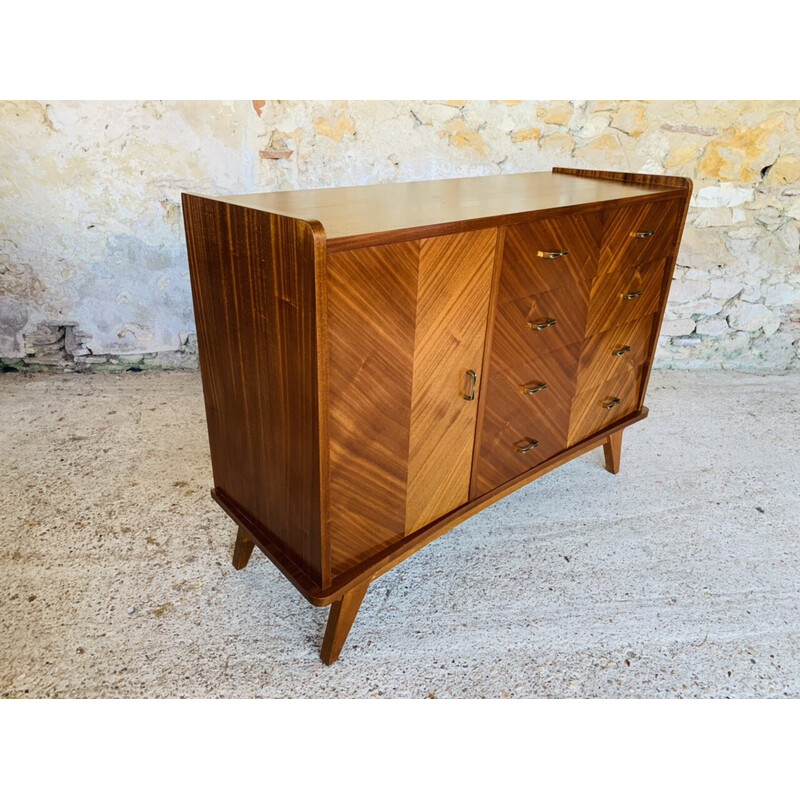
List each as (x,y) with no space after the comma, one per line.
(680,577)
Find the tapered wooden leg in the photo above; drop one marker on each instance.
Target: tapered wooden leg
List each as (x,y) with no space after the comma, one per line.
(612,450)
(340,620)
(242,550)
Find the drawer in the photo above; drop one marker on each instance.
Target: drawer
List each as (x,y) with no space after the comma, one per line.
(611,355)
(541,256)
(540,323)
(598,407)
(524,403)
(638,233)
(624,295)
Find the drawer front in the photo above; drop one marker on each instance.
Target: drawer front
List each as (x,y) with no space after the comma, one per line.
(524,403)
(638,233)
(598,407)
(541,256)
(536,324)
(624,295)
(611,355)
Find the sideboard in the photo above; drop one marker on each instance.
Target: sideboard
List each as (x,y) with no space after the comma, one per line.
(381,362)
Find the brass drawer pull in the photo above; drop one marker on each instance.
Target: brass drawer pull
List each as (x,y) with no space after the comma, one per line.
(632,295)
(621,351)
(473,376)
(525,445)
(614,401)
(533,388)
(540,326)
(552,253)
(643,234)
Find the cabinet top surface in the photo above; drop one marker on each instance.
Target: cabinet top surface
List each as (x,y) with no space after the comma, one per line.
(358,211)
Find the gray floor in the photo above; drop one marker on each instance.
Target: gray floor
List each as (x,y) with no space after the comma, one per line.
(680,577)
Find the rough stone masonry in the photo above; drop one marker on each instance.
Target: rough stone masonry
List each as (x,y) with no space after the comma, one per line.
(93,271)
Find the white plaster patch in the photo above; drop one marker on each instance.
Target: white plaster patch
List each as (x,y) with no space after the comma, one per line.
(724,194)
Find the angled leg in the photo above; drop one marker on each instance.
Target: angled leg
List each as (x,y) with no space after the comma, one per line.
(340,620)
(612,450)
(242,550)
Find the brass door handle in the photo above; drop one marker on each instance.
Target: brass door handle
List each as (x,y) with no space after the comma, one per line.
(473,376)
(643,234)
(621,351)
(540,326)
(552,253)
(525,445)
(614,401)
(533,388)
(632,295)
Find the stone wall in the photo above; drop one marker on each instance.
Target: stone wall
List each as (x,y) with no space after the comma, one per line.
(93,266)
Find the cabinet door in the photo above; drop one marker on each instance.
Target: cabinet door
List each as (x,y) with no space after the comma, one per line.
(405,323)
(454,284)
(372,295)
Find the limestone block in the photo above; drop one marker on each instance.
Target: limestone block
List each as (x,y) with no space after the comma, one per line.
(770,218)
(714,326)
(593,126)
(682,155)
(772,324)
(741,152)
(781,247)
(685,291)
(693,274)
(526,135)
(705,307)
(782,294)
(557,142)
(722,289)
(714,218)
(462,137)
(785,170)
(723,194)
(751,293)
(792,210)
(594,106)
(686,341)
(746,232)
(556,113)
(699,248)
(630,118)
(748,317)
(678,327)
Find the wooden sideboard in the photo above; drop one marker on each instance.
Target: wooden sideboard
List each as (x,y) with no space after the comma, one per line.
(381,362)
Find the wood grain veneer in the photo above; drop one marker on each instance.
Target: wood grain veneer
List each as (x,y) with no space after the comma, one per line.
(455,278)
(372,294)
(343,332)
(254,279)
(359,216)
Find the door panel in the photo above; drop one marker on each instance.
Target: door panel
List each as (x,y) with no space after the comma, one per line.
(371,316)
(454,286)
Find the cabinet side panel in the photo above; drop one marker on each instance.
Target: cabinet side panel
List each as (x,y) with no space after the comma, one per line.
(253,284)
(371,318)
(455,280)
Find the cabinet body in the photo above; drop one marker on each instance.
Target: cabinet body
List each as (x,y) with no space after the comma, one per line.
(379,363)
